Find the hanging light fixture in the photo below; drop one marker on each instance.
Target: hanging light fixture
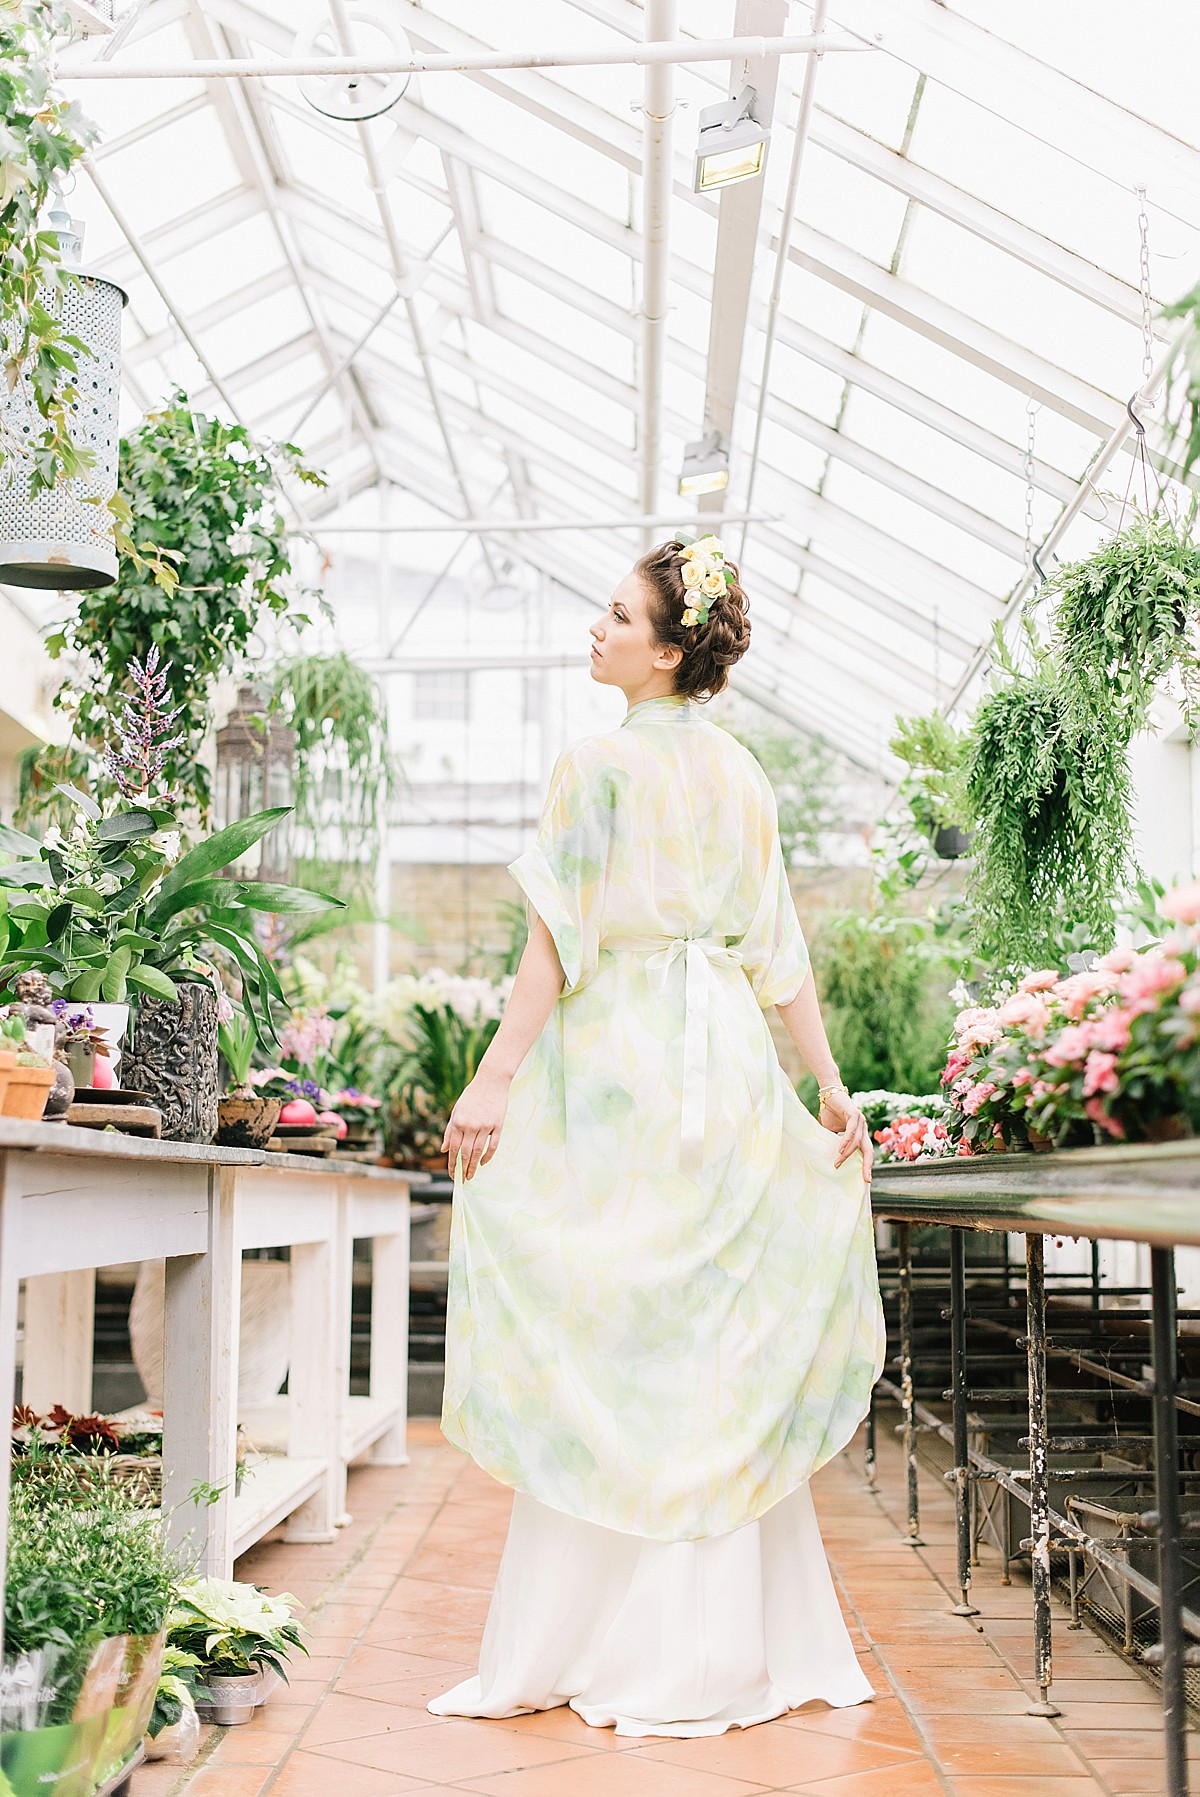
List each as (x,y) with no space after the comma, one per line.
(62,537)
(732,145)
(705,467)
(256,756)
(353,98)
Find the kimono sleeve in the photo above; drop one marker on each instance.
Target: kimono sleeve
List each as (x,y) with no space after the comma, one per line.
(565,874)
(773,949)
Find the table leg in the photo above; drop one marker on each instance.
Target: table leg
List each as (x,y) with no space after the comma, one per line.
(1039,1490)
(9,1289)
(59,1320)
(389,1341)
(200,1374)
(1170,1550)
(960,1475)
(908,1405)
(315,1410)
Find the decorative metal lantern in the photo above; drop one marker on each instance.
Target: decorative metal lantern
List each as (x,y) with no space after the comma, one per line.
(63,537)
(256,757)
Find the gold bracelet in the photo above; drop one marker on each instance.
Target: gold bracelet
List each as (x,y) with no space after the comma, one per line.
(823,1092)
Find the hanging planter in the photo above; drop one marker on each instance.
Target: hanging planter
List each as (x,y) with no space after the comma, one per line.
(61,535)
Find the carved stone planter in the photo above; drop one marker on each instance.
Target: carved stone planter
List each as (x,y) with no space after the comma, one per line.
(173,1057)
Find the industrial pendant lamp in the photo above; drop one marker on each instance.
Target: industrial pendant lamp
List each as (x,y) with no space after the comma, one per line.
(732,145)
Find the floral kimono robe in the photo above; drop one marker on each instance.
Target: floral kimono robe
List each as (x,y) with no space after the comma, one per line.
(663,1306)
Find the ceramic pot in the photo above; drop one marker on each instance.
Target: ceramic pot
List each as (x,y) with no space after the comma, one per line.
(28,1088)
(81,1059)
(950,843)
(61,1094)
(247,1122)
(232,1697)
(112,1021)
(173,1057)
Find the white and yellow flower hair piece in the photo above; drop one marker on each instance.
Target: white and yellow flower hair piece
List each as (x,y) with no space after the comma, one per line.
(705,575)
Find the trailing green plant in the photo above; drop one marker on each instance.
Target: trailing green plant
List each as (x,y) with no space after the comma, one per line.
(883,979)
(1048,784)
(344,770)
(210,555)
(80,1572)
(1186,422)
(1126,618)
(42,137)
(933,790)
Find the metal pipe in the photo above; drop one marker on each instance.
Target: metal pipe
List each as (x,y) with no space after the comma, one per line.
(1166,1486)
(658,108)
(958,1384)
(799,144)
(450,62)
(904,1268)
(1039,1494)
(513,526)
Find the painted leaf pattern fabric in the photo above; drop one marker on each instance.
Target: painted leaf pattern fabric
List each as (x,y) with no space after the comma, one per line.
(658,1351)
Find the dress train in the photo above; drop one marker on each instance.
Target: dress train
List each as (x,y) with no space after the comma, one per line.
(662,1637)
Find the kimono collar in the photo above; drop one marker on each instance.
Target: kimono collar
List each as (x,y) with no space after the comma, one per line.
(666,706)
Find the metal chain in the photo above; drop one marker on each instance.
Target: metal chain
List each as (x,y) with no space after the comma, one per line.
(1147,302)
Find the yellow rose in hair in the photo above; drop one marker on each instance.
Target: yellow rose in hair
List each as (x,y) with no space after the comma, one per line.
(691,616)
(712,546)
(712,584)
(693,573)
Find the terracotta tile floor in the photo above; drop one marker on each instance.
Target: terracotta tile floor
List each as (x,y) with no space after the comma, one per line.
(396,1607)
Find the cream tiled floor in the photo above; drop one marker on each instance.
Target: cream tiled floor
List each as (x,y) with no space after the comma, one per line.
(397,1605)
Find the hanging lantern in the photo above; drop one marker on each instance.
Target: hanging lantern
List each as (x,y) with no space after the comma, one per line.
(63,537)
(256,757)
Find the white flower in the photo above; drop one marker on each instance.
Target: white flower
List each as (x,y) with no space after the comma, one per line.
(712,584)
(693,573)
(167,842)
(691,616)
(107,884)
(53,838)
(710,545)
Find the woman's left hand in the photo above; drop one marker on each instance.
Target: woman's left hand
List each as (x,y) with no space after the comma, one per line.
(843,1117)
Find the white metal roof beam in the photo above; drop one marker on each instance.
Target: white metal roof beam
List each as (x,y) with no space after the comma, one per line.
(739,218)
(658,106)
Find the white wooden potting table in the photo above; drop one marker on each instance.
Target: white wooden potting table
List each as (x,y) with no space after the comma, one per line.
(72,1200)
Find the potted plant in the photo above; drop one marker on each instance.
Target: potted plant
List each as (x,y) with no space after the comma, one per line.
(237,1633)
(81,1038)
(247,1115)
(438,1026)
(173,1731)
(31,1075)
(932,750)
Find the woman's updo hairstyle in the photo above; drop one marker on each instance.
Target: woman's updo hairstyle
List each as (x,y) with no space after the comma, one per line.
(709,649)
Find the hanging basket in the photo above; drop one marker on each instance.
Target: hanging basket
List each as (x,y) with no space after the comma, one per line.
(63,537)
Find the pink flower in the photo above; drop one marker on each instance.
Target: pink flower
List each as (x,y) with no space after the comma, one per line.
(1117,960)
(1100,1073)
(1096,1111)
(976,1027)
(1070,1045)
(1151,974)
(1022,1076)
(977,1096)
(1110,1030)
(1183,904)
(1041,981)
(1026,1011)
(964,1149)
(1189,998)
(1078,992)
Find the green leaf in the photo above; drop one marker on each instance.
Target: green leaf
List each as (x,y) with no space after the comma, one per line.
(222,849)
(15,842)
(57,921)
(86,986)
(285,900)
(126,826)
(88,806)
(23,873)
(113,984)
(85,898)
(151,979)
(197,894)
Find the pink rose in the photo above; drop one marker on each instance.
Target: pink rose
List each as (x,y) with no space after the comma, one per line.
(1100,1073)
(1096,1111)
(1117,960)
(1026,1011)
(1070,1045)
(977,1096)
(1022,1076)
(1077,992)
(1183,904)
(1151,974)
(1041,981)
(1189,998)
(1110,1030)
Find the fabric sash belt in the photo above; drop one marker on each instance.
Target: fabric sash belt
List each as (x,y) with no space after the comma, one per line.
(700,955)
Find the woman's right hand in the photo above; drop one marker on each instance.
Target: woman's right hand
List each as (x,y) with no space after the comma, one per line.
(476,1122)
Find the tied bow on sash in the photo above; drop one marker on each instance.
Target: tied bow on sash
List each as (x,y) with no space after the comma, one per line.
(700,955)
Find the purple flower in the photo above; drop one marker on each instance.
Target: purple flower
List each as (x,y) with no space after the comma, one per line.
(304,1088)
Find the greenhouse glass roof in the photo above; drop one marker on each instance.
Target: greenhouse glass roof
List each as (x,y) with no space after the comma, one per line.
(466,301)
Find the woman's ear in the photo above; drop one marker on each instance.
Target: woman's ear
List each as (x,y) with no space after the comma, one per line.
(668,657)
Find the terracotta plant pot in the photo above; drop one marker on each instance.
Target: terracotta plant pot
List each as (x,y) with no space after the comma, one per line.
(1174,1128)
(28,1089)
(247,1122)
(8,1060)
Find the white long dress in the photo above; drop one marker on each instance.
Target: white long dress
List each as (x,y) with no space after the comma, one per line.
(661,1637)
(663,1311)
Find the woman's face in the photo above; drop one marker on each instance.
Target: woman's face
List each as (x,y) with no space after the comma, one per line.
(624,652)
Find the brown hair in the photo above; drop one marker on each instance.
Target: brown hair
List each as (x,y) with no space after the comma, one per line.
(709,650)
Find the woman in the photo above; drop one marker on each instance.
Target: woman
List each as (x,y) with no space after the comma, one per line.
(663,1310)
